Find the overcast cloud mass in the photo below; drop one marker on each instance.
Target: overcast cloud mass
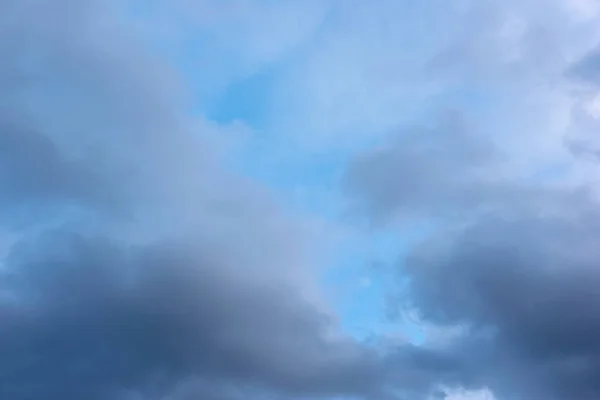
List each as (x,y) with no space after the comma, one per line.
(192,195)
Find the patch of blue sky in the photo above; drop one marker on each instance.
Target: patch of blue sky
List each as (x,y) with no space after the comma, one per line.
(356,281)
(246,100)
(269,155)
(367,278)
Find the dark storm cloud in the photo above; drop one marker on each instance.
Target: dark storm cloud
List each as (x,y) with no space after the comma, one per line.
(519,272)
(532,284)
(85,317)
(200,290)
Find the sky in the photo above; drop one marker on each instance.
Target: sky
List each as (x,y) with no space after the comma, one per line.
(299,200)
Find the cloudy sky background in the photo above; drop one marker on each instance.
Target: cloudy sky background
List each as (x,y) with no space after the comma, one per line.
(318,199)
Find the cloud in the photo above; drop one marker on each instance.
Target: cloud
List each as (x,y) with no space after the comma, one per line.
(136,264)
(511,261)
(357,76)
(139,266)
(524,288)
(89,317)
(429,170)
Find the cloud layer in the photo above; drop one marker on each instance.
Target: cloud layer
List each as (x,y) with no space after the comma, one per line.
(138,262)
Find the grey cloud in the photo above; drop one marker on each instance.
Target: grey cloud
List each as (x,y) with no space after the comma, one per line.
(531,284)
(441,169)
(77,87)
(32,167)
(587,69)
(88,317)
(518,270)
